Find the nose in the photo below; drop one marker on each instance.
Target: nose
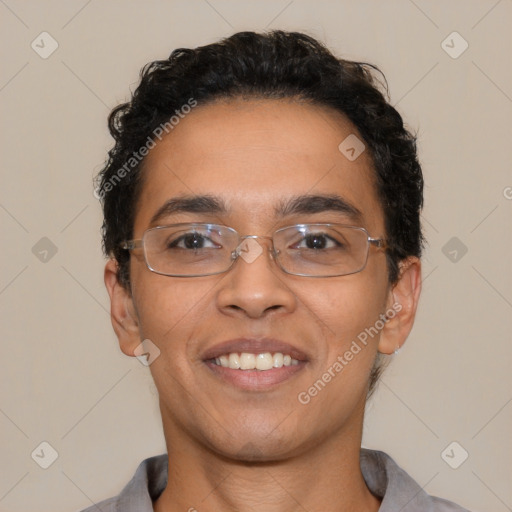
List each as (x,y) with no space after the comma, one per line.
(255,286)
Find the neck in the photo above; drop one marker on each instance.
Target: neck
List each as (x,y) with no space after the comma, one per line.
(324,478)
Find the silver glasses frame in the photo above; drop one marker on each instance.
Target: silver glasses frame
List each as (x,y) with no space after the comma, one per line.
(129,245)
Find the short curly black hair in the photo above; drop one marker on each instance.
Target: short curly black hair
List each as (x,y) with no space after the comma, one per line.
(273,65)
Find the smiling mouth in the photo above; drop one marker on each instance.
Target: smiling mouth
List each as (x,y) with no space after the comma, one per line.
(254,364)
(255,372)
(247,361)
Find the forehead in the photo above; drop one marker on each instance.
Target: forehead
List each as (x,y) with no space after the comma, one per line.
(254,155)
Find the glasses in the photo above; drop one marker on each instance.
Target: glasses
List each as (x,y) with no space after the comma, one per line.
(309,250)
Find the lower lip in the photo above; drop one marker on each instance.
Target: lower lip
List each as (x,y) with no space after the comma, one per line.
(255,380)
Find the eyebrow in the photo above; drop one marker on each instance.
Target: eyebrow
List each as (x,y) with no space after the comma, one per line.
(303,204)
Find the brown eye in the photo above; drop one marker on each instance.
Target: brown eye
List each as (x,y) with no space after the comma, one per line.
(191,241)
(317,241)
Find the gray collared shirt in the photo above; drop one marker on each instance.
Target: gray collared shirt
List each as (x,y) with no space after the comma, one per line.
(384,478)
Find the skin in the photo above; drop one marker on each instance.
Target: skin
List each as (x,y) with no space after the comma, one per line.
(231,449)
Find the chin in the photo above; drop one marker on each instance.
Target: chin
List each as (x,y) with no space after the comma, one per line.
(266,445)
(263,450)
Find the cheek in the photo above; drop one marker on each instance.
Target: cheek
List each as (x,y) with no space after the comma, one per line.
(168,316)
(169,310)
(350,304)
(349,310)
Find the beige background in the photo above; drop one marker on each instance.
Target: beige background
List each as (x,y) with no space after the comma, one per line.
(64,379)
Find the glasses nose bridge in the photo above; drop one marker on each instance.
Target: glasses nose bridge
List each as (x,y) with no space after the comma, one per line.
(257,236)
(270,247)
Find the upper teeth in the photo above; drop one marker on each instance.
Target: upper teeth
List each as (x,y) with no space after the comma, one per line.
(248,361)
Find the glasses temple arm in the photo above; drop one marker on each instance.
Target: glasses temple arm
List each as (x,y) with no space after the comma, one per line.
(379,242)
(130,244)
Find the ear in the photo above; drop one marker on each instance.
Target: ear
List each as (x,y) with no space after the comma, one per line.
(122,310)
(402,303)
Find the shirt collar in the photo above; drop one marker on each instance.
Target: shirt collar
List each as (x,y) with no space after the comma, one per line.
(382,475)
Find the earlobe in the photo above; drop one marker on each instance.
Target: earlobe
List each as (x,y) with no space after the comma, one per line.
(122,311)
(401,306)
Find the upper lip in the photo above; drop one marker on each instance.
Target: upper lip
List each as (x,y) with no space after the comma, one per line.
(255,346)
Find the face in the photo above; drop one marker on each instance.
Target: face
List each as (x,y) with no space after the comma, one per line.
(254,156)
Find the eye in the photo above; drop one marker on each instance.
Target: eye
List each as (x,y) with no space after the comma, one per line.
(317,241)
(192,240)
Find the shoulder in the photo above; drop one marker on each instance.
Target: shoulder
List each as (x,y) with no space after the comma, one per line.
(146,485)
(109,505)
(397,489)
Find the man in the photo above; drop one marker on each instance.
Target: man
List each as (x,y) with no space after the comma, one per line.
(261,207)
